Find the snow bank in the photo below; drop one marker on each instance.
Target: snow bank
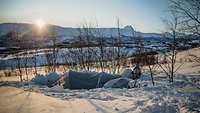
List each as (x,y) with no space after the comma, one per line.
(181,96)
(15,100)
(118,83)
(57,88)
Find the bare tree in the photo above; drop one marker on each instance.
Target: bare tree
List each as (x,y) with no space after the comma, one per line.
(26,56)
(36,41)
(113,67)
(35,60)
(139,46)
(151,61)
(102,54)
(17,37)
(172,26)
(85,35)
(19,66)
(118,45)
(79,51)
(52,53)
(26,62)
(188,13)
(101,49)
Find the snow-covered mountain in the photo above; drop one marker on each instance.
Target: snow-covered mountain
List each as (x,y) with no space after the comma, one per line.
(69,32)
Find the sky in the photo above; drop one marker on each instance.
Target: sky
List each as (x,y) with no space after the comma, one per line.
(143,15)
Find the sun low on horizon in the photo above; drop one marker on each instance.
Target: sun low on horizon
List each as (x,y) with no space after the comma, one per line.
(40,23)
(71,13)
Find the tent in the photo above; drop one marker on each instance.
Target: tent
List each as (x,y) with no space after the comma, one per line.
(40,80)
(49,80)
(52,78)
(87,80)
(127,73)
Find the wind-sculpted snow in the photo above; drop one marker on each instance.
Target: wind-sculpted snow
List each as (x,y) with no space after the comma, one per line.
(150,100)
(182,96)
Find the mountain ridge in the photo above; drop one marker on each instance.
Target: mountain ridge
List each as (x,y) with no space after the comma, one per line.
(72,31)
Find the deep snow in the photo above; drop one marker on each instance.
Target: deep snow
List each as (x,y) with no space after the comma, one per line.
(182,96)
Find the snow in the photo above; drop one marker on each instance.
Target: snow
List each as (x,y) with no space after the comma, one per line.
(167,98)
(182,96)
(14,100)
(122,82)
(65,31)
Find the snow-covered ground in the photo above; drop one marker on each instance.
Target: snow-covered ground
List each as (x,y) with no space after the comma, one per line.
(182,96)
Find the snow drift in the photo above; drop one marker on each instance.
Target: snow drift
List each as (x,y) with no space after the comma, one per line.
(118,83)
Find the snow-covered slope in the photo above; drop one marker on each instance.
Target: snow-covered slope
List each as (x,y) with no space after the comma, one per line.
(14,100)
(182,96)
(69,32)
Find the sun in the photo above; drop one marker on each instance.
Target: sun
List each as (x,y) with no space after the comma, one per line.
(40,23)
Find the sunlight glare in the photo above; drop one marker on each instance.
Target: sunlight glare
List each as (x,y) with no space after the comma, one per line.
(40,23)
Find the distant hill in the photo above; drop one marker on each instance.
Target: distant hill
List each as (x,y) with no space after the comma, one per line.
(69,32)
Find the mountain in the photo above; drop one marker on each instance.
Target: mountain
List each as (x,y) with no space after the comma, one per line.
(69,32)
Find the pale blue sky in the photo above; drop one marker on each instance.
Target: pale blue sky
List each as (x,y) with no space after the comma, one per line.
(144,15)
